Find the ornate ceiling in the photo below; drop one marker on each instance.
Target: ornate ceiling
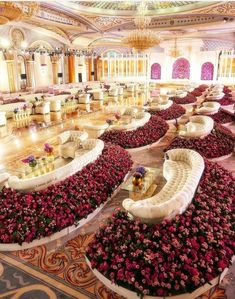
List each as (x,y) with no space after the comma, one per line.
(74,22)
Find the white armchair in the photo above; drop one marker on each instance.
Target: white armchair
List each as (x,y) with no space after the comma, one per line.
(3,119)
(208,108)
(198,126)
(98,96)
(113,92)
(55,105)
(120,91)
(69,141)
(84,99)
(43,108)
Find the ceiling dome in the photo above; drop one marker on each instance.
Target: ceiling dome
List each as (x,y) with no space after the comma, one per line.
(127,8)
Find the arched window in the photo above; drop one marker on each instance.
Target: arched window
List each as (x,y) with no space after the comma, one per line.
(181,69)
(207,71)
(156,71)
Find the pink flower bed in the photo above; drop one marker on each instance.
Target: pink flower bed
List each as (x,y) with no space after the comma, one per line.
(174,111)
(151,132)
(175,256)
(26,217)
(217,144)
(197,92)
(189,99)
(223,117)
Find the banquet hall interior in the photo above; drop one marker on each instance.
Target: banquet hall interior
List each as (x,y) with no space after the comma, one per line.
(117,133)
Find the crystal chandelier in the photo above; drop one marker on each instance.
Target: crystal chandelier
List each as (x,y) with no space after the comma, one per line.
(141,38)
(175,52)
(15,11)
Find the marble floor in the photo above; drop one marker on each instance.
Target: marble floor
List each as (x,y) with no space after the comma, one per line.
(58,269)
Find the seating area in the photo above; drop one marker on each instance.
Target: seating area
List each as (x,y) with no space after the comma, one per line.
(182,170)
(117,138)
(198,126)
(87,153)
(208,108)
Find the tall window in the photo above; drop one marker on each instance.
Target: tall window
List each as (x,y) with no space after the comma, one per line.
(207,71)
(181,69)
(156,71)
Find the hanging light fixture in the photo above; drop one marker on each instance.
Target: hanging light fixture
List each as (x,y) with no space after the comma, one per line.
(175,52)
(142,38)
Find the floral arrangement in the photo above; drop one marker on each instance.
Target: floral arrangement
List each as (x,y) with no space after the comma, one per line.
(151,132)
(25,217)
(117,116)
(223,117)
(48,148)
(196,92)
(174,111)
(217,144)
(138,176)
(188,99)
(25,107)
(31,160)
(176,256)
(109,121)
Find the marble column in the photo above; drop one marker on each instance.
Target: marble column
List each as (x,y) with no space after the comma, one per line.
(71,64)
(30,70)
(9,59)
(55,67)
(11,77)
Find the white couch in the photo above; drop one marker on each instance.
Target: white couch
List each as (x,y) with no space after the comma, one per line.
(43,108)
(208,108)
(141,118)
(95,130)
(161,105)
(3,119)
(182,170)
(90,152)
(198,126)
(113,92)
(215,96)
(55,105)
(69,142)
(98,96)
(84,98)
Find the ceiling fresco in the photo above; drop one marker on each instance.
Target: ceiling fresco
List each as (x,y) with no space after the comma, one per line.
(97,20)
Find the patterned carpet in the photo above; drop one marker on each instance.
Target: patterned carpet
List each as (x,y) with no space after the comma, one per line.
(59,271)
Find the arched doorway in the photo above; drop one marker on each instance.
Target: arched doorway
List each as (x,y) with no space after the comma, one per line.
(207,71)
(181,69)
(156,71)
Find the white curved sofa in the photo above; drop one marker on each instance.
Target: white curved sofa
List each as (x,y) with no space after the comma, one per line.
(141,118)
(208,108)
(215,96)
(198,126)
(69,141)
(161,105)
(92,148)
(95,130)
(182,170)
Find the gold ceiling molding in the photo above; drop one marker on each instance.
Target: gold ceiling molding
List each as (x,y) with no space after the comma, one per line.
(225,8)
(54,29)
(104,23)
(16,11)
